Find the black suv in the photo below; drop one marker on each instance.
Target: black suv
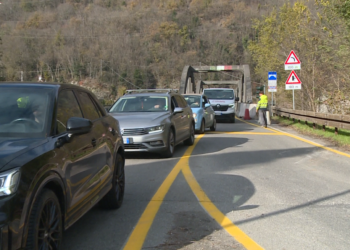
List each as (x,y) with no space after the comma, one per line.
(60,154)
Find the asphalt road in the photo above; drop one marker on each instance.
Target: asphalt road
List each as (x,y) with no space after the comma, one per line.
(242,187)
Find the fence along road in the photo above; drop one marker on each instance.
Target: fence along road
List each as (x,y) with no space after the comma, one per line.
(323,119)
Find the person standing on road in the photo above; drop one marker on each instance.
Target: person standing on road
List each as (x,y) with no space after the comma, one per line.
(262,108)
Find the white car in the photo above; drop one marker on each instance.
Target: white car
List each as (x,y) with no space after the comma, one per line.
(223,102)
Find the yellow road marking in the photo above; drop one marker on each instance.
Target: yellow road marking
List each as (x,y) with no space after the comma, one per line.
(245,133)
(139,234)
(301,139)
(318,145)
(214,212)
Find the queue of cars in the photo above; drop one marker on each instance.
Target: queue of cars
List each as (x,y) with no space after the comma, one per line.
(61,153)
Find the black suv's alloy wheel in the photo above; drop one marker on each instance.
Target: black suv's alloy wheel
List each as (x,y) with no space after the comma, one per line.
(114,198)
(45,223)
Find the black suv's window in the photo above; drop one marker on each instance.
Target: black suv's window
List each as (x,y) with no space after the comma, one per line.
(173,103)
(181,102)
(25,111)
(67,107)
(88,107)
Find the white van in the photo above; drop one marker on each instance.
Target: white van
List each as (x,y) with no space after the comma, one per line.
(223,102)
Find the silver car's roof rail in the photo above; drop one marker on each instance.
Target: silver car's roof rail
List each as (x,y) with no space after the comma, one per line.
(130,91)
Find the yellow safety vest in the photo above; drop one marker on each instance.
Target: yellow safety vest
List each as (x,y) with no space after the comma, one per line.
(262,103)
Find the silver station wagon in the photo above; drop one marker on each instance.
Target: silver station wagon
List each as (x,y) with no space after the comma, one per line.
(154,120)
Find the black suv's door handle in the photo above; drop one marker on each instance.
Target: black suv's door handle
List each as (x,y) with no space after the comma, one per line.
(93,141)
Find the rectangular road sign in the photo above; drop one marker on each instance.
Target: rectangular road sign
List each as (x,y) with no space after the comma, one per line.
(272,81)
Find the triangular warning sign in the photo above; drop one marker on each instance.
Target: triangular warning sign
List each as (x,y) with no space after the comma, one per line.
(293,78)
(292,59)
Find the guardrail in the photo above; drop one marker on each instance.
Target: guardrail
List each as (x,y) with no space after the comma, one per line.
(323,119)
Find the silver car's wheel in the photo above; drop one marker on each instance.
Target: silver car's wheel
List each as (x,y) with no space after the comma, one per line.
(170,146)
(190,140)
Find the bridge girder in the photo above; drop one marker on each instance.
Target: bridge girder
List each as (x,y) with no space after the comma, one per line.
(188,85)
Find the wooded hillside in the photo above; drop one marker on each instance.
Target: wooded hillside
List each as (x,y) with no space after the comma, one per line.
(112,45)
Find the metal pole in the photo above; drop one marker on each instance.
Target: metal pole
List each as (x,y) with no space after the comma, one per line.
(293,100)
(271,104)
(21,76)
(272,98)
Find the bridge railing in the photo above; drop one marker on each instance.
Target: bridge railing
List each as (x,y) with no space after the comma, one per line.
(323,119)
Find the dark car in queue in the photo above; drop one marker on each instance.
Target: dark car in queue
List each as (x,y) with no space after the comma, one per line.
(60,155)
(154,120)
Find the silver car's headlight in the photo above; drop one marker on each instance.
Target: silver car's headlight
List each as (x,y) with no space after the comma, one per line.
(194,115)
(9,182)
(232,105)
(155,129)
(121,131)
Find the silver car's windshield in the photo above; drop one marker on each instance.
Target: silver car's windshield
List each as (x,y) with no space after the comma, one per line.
(193,100)
(141,104)
(24,111)
(219,94)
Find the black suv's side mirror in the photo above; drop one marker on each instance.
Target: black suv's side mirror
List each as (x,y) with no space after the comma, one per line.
(75,126)
(78,125)
(178,110)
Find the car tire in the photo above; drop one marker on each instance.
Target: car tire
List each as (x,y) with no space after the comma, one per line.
(202,128)
(233,119)
(190,140)
(213,127)
(45,222)
(170,146)
(114,198)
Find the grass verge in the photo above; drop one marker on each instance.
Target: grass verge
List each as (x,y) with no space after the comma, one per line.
(341,139)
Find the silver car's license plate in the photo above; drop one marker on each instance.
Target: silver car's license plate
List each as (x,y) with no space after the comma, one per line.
(128,140)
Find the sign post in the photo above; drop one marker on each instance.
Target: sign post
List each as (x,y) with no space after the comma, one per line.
(272,83)
(293,82)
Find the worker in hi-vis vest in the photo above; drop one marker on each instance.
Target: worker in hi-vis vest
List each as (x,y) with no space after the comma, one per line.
(262,108)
